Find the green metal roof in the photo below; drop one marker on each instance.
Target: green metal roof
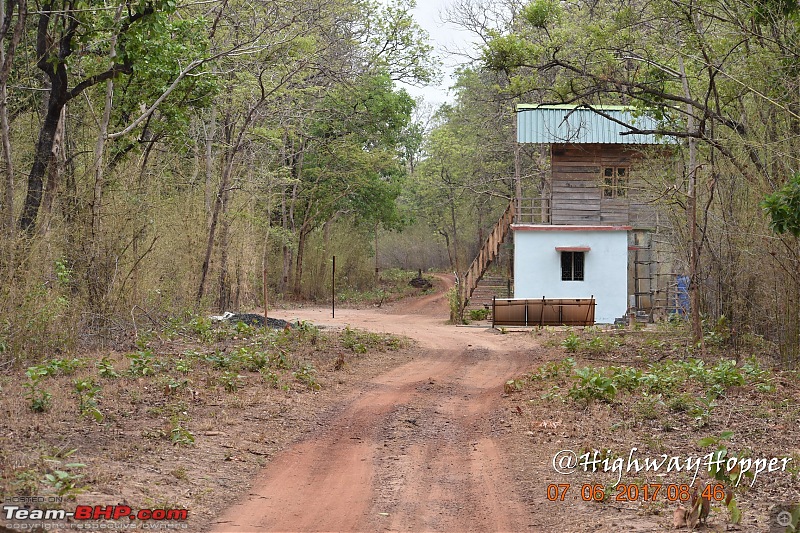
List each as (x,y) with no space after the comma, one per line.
(546,124)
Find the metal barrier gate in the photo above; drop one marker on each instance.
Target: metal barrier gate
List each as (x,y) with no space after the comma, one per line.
(543,312)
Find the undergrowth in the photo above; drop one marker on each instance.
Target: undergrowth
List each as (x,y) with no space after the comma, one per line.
(189,362)
(651,385)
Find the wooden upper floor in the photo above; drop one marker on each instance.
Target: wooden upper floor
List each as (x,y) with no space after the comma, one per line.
(594,176)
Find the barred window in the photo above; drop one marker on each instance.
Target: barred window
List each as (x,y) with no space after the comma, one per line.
(615,182)
(571,266)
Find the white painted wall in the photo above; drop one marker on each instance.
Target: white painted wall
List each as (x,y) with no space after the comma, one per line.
(537,268)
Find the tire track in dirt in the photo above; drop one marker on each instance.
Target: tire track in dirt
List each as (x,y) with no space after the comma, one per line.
(414,449)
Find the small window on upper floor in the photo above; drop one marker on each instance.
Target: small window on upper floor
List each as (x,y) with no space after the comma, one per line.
(615,182)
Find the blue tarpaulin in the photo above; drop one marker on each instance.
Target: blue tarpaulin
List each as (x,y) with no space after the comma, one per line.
(682,283)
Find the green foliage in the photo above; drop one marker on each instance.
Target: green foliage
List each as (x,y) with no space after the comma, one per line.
(58,367)
(479,314)
(174,385)
(270,378)
(87,392)
(244,329)
(681,403)
(105,368)
(144,338)
(410,57)
(63,272)
(142,364)
(454,301)
(160,48)
(37,317)
(541,13)
(660,380)
(62,479)
(179,435)
(553,369)
(703,409)
(649,406)
(306,331)
(218,360)
(783,207)
(253,361)
(592,385)
(361,342)
(508,52)
(719,472)
(513,385)
(726,374)
(716,333)
(306,375)
(627,378)
(572,342)
(230,381)
(760,376)
(201,327)
(37,396)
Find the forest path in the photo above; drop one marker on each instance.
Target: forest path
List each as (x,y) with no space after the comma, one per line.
(415,449)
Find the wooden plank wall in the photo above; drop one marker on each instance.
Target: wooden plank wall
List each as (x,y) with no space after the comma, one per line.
(577,186)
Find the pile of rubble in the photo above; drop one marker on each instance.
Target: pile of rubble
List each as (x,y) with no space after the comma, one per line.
(252,319)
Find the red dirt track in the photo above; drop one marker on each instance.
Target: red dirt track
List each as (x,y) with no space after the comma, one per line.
(415,449)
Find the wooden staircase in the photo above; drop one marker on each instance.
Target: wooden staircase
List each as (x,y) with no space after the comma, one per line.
(489,287)
(487,253)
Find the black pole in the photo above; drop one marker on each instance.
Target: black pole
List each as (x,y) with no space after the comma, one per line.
(333,289)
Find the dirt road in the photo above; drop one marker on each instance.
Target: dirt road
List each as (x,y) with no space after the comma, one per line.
(415,449)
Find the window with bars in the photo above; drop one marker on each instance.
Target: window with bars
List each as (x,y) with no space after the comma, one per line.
(615,182)
(572,266)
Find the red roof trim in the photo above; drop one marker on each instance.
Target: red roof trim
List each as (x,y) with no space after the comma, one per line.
(551,227)
(572,248)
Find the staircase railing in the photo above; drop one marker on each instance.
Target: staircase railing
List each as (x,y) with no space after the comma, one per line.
(487,253)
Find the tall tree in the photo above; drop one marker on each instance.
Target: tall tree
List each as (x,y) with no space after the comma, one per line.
(66,33)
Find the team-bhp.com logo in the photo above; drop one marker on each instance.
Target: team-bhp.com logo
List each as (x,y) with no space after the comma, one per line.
(24,517)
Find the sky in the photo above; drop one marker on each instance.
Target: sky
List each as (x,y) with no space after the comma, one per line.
(444,37)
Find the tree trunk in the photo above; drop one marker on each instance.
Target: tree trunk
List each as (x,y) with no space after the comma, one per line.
(321,277)
(55,171)
(41,158)
(210,132)
(6,60)
(265,267)
(449,253)
(694,252)
(220,205)
(297,173)
(95,278)
(224,299)
(215,213)
(298,270)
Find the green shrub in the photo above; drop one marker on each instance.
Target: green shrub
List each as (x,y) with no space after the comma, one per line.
(479,314)
(593,384)
(87,391)
(305,375)
(105,368)
(572,342)
(230,381)
(142,364)
(37,396)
